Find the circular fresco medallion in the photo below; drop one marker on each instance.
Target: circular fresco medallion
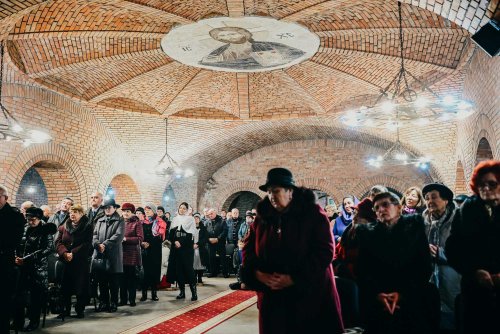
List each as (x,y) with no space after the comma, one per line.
(246,44)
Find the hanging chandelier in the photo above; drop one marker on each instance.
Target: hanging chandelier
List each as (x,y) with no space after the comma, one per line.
(398,103)
(167,166)
(396,155)
(10,128)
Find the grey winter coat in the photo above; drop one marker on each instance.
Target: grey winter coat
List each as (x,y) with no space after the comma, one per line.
(110,231)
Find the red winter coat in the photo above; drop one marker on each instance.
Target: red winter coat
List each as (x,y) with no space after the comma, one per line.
(134,235)
(299,243)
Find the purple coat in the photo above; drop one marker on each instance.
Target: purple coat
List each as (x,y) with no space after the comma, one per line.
(134,235)
(299,243)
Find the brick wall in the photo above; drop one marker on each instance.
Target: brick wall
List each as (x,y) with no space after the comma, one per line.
(125,190)
(336,167)
(482,86)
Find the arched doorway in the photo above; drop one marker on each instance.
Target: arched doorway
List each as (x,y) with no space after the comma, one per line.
(123,189)
(47,182)
(242,200)
(168,201)
(483,151)
(32,188)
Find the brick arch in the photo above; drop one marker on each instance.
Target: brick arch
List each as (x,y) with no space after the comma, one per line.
(45,152)
(320,184)
(398,184)
(219,197)
(459,15)
(125,189)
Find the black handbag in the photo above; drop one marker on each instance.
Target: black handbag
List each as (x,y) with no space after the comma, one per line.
(99,264)
(59,270)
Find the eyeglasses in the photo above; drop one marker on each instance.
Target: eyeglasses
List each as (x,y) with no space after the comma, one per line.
(382,205)
(31,219)
(492,185)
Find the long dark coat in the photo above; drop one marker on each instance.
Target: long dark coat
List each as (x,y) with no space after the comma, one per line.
(109,231)
(299,243)
(35,267)
(151,256)
(180,261)
(397,259)
(12,222)
(473,244)
(134,235)
(79,242)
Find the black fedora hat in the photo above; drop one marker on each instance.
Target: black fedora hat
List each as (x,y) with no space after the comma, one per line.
(110,202)
(278,177)
(443,190)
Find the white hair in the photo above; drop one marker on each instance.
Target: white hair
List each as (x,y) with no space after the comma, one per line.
(3,189)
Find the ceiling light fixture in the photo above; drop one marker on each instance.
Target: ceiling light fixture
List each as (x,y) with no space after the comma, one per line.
(167,166)
(399,103)
(10,128)
(396,155)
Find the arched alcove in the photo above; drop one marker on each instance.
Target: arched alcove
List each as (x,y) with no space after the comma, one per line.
(47,182)
(32,188)
(484,151)
(123,189)
(242,200)
(169,201)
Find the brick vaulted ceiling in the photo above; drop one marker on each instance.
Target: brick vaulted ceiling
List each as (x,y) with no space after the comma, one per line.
(108,53)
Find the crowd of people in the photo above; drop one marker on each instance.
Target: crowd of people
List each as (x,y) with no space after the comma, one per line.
(110,251)
(426,263)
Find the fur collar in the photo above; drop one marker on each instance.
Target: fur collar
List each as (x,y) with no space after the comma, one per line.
(303,199)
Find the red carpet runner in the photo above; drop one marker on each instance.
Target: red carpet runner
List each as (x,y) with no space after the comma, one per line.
(197,316)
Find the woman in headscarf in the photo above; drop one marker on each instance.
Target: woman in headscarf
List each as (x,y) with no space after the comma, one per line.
(154,229)
(412,201)
(180,262)
(345,217)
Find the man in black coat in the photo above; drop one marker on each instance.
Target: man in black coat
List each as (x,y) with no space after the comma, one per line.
(96,210)
(217,233)
(12,224)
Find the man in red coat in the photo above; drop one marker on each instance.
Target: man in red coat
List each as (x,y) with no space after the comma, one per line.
(287,260)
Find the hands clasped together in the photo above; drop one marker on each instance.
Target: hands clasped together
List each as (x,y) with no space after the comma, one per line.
(389,301)
(275,281)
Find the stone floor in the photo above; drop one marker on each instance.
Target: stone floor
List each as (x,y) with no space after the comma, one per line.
(127,317)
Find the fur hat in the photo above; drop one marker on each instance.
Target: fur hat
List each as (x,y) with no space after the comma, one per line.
(365,210)
(128,206)
(34,212)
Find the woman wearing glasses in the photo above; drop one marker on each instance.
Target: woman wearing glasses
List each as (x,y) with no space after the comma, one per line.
(473,249)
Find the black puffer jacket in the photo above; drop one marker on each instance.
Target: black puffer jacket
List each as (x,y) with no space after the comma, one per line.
(36,239)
